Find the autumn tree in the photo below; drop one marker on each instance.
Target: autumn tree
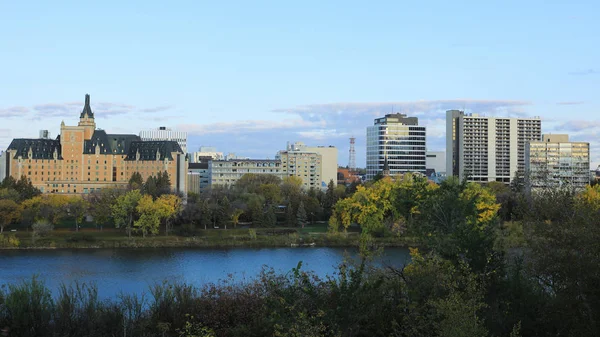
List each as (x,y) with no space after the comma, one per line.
(168,205)
(124,210)
(149,219)
(101,203)
(9,212)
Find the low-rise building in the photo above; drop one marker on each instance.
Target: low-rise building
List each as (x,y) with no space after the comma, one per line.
(435,161)
(556,162)
(198,177)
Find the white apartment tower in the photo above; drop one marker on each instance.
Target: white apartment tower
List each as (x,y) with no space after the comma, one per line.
(556,162)
(485,149)
(399,141)
(164,133)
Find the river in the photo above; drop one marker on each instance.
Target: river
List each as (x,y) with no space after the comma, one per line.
(134,270)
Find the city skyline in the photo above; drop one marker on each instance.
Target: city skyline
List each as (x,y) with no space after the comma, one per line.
(262,76)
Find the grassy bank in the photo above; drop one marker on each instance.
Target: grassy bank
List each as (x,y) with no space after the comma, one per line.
(241,237)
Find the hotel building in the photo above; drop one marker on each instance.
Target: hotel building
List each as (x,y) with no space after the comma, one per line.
(84,159)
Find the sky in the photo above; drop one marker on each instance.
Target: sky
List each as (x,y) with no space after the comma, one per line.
(248,76)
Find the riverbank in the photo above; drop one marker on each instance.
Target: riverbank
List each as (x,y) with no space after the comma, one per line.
(212,238)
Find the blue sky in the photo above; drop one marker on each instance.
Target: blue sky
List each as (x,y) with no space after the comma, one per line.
(248,76)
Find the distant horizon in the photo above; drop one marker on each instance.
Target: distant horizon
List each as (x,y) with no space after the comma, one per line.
(247,78)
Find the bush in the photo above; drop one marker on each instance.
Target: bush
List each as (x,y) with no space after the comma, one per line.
(42,227)
(8,241)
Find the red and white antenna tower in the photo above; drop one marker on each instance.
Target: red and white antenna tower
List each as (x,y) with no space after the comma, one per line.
(352,159)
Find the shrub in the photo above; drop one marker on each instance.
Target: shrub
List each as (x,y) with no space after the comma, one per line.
(9,241)
(42,227)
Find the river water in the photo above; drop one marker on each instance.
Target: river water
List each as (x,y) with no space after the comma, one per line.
(134,270)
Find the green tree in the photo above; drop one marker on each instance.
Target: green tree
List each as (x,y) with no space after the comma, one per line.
(136,181)
(124,210)
(301,216)
(26,188)
(163,183)
(77,208)
(225,211)
(101,203)
(9,213)
(150,187)
(10,193)
(269,218)
(290,217)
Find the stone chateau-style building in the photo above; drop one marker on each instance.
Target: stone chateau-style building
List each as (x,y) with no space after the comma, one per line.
(83,159)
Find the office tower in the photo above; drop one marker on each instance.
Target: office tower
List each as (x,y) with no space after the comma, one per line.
(352,155)
(164,133)
(556,162)
(485,149)
(399,141)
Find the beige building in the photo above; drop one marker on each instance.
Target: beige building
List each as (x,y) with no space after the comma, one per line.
(556,162)
(228,172)
(329,162)
(304,165)
(84,159)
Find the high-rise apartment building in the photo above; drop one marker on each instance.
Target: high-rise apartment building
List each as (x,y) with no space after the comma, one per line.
(400,141)
(556,162)
(323,159)
(485,149)
(85,159)
(228,172)
(164,133)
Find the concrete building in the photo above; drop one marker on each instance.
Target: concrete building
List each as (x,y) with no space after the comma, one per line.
(436,161)
(556,162)
(198,177)
(205,154)
(322,158)
(304,165)
(3,162)
(84,159)
(164,133)
(44,134)
(488,149)
(400,141)
(228,172)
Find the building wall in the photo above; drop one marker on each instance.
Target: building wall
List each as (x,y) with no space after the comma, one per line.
(228,172)
(329,163)
(304,165)
(399,139)
(166,134)
(3,172)
(436,160)
(487,149)
(556,162)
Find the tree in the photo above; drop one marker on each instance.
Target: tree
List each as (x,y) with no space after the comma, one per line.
(269,218)
(150,187)
(77,208)
(9,212)
(124,210)
(26,188)
(136,181)
(10,194)
(235,216)
(163,183)
(149,220)
(330,199)
(101,203)
(225,211)
(290,217)
(270,192)
(301,216)
(168,206)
